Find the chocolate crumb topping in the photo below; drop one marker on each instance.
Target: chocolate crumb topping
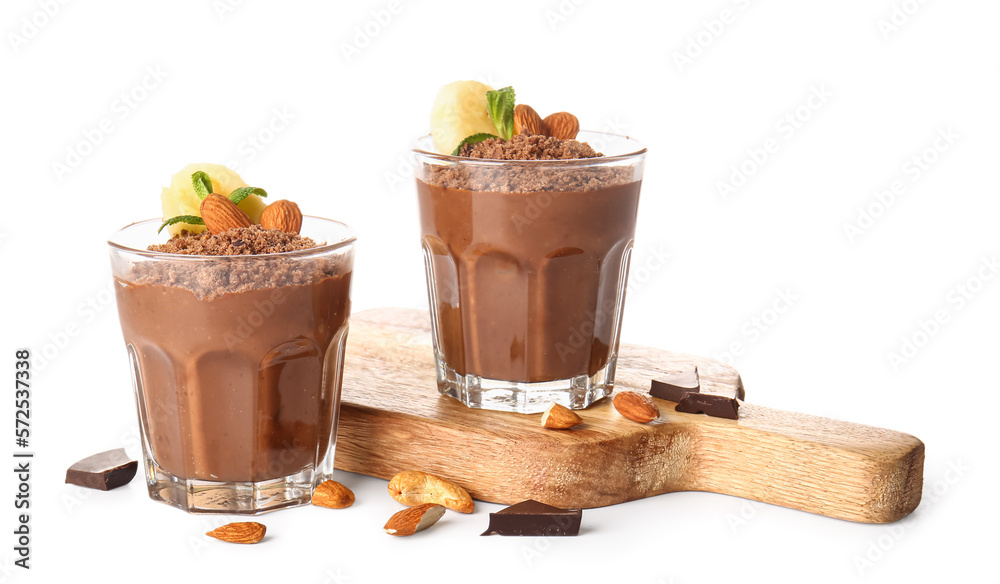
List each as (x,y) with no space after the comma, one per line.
(253,240)
(529,147)
(260,265)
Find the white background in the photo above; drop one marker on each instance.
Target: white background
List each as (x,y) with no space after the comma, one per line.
(703,88)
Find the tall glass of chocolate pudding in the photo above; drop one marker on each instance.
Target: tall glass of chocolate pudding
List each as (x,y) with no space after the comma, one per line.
(236,363)
(527,262)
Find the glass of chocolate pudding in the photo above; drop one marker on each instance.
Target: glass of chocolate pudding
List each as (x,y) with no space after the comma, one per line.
(527,262)
(236,363)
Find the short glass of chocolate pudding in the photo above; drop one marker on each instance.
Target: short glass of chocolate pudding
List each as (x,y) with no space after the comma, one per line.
(236,360)
(527,262)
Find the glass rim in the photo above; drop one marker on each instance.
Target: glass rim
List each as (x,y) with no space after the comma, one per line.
(639,152)
(350,238)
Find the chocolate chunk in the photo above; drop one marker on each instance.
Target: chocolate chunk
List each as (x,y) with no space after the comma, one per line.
(673,386)
(718,406)
(534,518)
(740,392)
(104,471)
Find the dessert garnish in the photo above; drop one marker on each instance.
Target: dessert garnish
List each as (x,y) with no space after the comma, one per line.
(673,386)
(468,112)
(533,518)
(182,199)
(636,406)
(231,217)
(413,487)
(717,406)
(103,471)
(239,532)
(414,519)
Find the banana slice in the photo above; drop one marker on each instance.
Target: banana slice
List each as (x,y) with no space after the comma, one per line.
(460,111)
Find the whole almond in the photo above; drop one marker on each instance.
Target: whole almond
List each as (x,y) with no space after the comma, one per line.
(636,406)
(282,215)
(414,519)
(413,487)
(245,532)
(333,495)
(562,125)
(560,417)
(220,214)
(527,121)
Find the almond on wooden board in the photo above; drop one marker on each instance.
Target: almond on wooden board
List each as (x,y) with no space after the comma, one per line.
(527,121)
(414,519)
(282,215)
(562,125)
(636,406)
(560,417)
(413,487)
(220,214)
(240,532)
(332,495)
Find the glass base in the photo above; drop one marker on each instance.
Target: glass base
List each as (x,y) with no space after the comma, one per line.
(249,498)
(478,392)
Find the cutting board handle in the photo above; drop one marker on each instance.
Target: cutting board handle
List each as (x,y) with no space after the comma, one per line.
(839,469)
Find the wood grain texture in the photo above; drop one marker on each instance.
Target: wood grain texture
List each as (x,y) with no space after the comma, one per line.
(392,418)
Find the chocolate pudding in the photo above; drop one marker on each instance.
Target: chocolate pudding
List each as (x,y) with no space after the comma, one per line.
(237,362)
(526,285)
(527,262)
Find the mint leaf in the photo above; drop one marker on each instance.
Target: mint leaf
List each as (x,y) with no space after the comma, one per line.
(202,184)
(472,140)
(500,104)
(244,192)
(192,219)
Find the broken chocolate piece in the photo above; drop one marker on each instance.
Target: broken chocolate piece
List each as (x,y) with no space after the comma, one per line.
(718,406)
(534,518)
(673,386)
(104,471)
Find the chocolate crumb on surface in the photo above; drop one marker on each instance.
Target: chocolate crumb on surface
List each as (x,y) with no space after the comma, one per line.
(253,240)
(529,147)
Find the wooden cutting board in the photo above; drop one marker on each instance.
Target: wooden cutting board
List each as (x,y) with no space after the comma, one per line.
(392,418)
